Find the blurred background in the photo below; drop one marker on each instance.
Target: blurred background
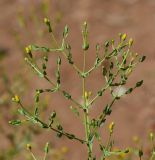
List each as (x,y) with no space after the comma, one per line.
(21,23)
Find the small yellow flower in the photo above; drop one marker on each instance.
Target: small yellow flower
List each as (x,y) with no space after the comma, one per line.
(89,93)
(64,149)
(86,95)
(130,42)
(124,37)
(128,71)
(46,20)
(28,49)
(29,147)
(111,127)
(151,135)
(136,54)
(122,155)
(16,99)
(135,139)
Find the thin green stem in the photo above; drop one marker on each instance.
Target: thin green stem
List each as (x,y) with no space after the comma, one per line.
(94,99)
(60,90)
(93,68)
(29,116)
(64,53)
(32,155)
(68,135)
(86,111)
(45,156)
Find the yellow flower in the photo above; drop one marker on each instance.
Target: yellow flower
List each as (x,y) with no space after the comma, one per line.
(29,147)
(111,127)
(16,99)
(135,139)
(28,49)
(124,37)
(64,149)
(151,135)
(46,20)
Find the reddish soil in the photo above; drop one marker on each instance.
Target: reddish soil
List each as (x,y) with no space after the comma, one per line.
(133,114)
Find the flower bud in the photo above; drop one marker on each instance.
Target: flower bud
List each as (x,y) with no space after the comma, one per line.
(111,127)
(151,135)
(130,42)
(16,99)
(46,149)
(123,38)
(86,95)
(29,147)
(46,21)
(28,50)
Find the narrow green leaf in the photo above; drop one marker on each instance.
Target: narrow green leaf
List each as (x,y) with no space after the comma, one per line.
(129,91)
(65,33)
(34,67)
(138,84)
(75,110)
(15,122)
(104,71)
(67,95)
(142,59)
(46,148)
(37,48)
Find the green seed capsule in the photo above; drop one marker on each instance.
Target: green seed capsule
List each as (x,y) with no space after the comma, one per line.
(46,149)
(43,66)
(138,84)
(46,21)
(85,47)
(46,58)
(53,114)
(106,44)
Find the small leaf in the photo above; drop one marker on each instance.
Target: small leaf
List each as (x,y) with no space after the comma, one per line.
(97,135)
(59,61)
(67,95)
(59,127)
(101,147)
(142,59)
(37,48)
(23,112)
(15,122)
(138,84)
(99,93)
(47,22)
(74,110)
(97,62)
(140,153)
(65,33)
(107,110)
(104,71)
(71,136)
(53,115)
(46,148)
(69,55)
(59,135)
(129,91)
(34,67)
(85,45)
(36,112)
(106,44)
(111,65)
